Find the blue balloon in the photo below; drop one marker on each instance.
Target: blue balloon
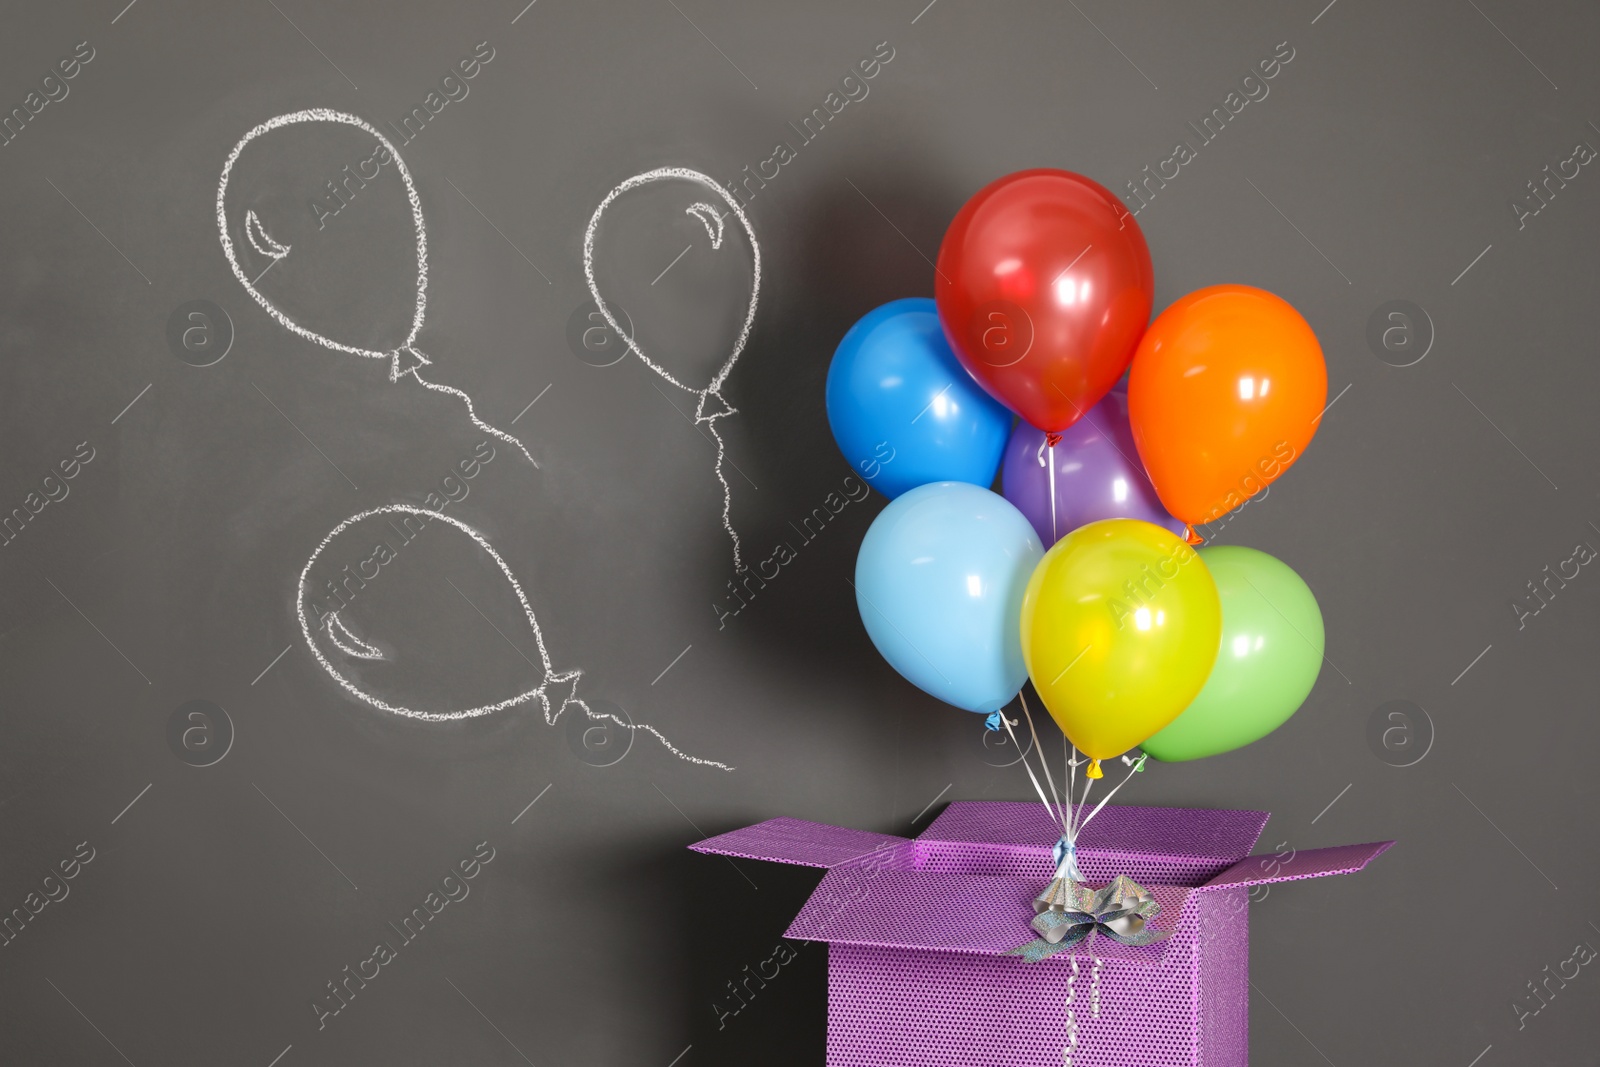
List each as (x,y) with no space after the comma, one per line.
(904,411)
(939,583)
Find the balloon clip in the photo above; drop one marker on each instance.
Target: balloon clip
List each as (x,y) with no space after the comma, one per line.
(1192,538)
(1094,770)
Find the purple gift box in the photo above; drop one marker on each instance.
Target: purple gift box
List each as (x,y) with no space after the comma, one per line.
(918,932)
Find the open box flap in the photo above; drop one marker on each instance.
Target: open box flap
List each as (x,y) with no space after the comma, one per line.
(1153,846)
(1313,863)
(1221,835)
(806,844)
(980,914)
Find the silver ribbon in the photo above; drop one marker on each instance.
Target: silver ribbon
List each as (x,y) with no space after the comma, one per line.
(1069,912)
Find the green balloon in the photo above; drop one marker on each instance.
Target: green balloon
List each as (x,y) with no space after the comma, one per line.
(1271,652)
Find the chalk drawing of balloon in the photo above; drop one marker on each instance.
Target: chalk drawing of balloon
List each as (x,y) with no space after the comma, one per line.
(301,206)
(713,209)
(349,651)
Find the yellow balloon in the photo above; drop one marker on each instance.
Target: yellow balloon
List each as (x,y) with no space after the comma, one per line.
(1120,627)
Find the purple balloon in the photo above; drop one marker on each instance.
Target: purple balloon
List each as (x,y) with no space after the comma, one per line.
(1098,474)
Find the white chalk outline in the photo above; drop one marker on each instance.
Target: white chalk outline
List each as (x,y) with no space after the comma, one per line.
(362,650)
(407,359)
(400,364)
(707,215)
(714,390)
(273,249)
(539,692)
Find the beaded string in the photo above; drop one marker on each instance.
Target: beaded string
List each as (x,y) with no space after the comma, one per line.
(1072,1022)
(1094,988)
(1072,994)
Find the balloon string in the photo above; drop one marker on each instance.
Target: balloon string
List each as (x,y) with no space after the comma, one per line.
(1138,765)
(1070,774)
(1072,770)
(1060,816)
(1055,532)
(602,716)
(727,491)
(472,414)
(1083,802)
(1054,813)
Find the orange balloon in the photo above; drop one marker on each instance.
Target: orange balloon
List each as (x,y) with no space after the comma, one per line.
(1225,392)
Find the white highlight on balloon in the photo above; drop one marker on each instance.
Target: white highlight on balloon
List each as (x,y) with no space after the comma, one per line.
(553,705)
(403,360)
(347,642)
(260,239)
(709,218)
(711,404)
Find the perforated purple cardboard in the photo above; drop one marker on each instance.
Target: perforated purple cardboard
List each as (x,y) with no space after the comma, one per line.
(918,931)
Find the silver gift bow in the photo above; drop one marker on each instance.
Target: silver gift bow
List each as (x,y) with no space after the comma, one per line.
(1069,912)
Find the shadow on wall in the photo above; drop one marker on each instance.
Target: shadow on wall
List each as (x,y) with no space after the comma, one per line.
(750,996)
(813,510)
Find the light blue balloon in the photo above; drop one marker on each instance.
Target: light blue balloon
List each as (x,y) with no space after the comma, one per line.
(939,583)
(904,411)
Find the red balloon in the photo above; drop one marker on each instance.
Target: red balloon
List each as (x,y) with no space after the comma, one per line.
(1044,287)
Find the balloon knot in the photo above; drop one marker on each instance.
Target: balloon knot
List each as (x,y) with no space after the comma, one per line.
(995,721)
(1094,770)
(712,406)
(1052,439)
(405,360)
(1190,537)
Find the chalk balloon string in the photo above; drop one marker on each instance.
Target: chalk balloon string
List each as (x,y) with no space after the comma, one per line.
(408,359)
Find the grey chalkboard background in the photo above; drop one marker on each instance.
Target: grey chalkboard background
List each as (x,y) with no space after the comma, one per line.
(1383,166)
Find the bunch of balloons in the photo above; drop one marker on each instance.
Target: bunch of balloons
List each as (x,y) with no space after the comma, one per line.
(1081,573)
